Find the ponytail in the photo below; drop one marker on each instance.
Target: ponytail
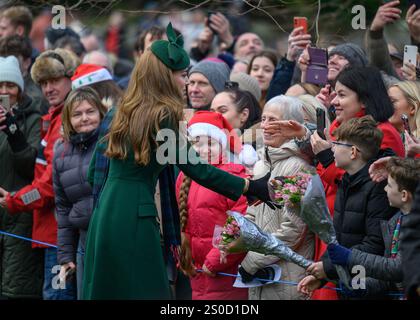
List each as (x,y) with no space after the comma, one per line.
(185,258)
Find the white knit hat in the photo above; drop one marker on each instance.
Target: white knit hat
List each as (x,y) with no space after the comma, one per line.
(10,71)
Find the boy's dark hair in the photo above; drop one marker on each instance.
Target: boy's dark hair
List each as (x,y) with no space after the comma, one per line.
(405,172)
(363,133)
(156,32)
(15,45)
(369,86)
(19,16)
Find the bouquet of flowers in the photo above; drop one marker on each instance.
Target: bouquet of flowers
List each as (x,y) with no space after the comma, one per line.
(227,234)
(244,235)
(289,190)
(310,205)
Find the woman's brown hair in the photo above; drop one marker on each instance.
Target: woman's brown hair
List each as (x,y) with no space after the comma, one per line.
(152,96)
(74,98)
(185,257)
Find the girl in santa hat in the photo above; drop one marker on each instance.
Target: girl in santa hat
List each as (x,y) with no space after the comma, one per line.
(201,210)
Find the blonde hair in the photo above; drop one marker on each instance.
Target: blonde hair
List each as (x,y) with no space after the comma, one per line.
(73,100)
(151,97)
(309,106)
(411,92)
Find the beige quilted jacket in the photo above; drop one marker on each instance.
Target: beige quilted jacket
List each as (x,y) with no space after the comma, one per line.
(286,226)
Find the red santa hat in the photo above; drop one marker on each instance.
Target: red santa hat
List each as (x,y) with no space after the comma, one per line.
(87,73)
(214,125)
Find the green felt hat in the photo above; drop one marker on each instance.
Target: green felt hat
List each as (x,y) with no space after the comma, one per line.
(171,51)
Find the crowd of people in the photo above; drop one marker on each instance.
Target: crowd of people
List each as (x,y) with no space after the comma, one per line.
(88,209)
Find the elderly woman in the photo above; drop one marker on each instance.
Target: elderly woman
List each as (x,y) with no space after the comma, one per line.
(280,157)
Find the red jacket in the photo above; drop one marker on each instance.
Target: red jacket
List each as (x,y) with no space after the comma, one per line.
(39,195)
(332,174)
(206,209)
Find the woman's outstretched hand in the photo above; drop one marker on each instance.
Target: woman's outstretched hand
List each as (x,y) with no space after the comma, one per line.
(288,128)
(258,190)
(377,170)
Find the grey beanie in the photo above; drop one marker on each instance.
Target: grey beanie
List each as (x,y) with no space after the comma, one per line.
(247,83)
(10,71)
(352,52)
(216,72)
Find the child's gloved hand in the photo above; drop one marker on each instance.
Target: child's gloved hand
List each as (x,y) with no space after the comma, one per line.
(338,254)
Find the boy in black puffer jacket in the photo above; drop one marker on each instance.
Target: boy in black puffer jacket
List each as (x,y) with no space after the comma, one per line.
(360,203)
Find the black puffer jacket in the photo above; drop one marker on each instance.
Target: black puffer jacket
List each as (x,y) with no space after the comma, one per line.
(359,207)
(73,194)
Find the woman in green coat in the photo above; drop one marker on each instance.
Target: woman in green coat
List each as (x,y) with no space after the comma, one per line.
(123,258)
(21,266)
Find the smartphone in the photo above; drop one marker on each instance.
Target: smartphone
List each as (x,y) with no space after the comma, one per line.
(208,22)
(404,119)
(416,2)
(320,122)
(410,54)
(301,22)
(5,102)
(317,72)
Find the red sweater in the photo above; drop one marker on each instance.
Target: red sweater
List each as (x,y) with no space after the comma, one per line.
(39,195)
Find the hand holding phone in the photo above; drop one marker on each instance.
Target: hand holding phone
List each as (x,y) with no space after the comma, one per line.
(404,119)
(415,2)
(5,102)
(209,14)
(320,123)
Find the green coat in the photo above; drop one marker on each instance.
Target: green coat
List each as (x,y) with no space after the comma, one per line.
(123,258)
(21,270)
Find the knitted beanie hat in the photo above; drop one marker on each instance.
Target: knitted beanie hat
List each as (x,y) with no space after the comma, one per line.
(87,73)
(352,52)
(214,125)
(247,83)
(171,51)
(10,71)
(217,73)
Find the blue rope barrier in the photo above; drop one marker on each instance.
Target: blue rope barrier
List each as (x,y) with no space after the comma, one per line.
(34,241)
(291,283)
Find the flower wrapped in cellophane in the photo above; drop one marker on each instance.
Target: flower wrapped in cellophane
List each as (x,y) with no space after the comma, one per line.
(304,195)
(289,190)
(251,238)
